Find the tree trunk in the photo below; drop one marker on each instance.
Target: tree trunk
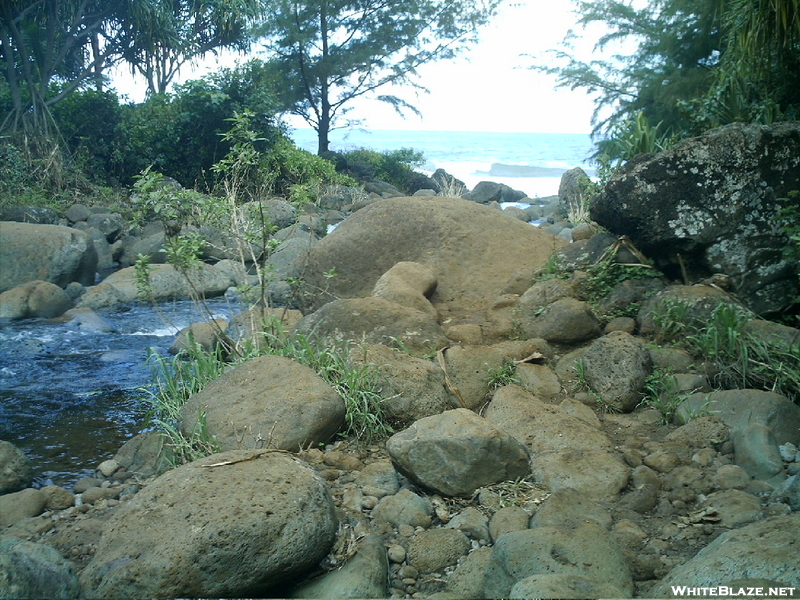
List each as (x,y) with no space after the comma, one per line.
(324,125)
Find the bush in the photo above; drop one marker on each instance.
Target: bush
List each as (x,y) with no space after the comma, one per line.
(297,174)
(392,166)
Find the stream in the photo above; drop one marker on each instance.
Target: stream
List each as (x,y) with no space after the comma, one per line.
(70,398)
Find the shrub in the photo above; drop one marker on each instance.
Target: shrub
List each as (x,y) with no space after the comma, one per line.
(392,166)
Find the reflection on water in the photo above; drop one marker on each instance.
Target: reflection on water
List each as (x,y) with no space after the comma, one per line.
(70,398)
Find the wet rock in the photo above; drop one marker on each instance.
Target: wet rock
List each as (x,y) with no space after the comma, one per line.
(34,299)
(50,253)
(616,366)
(587,550)
(364,575)
(737,408)
(16,472)
(756,451)
(85,319)
(229,525)
(404,508)
(457,452)
(432,550)
(57,497)
(267,401)
(16,506)
(29,570)
(765,550)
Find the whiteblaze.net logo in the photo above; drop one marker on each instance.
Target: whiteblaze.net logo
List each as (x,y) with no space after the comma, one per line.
(732,591)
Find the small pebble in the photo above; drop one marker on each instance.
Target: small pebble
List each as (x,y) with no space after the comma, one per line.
(396,553)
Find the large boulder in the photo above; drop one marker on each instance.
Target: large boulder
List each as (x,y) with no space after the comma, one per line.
(739,408)
(269,401)
(29,570)
(34,299)
(471,250)
(59,255)
(16,472)
(710,202)
(763,550)
(231,525)
(457,452)
(167,283)
(586,550)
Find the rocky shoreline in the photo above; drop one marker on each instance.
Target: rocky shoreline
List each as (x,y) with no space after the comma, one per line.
(554,480)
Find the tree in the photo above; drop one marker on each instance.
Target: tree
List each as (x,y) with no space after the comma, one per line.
(678,43)
(699,64)
(330,52)
(46,53)
(163,35)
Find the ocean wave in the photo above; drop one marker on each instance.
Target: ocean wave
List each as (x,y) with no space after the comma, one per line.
(506,170)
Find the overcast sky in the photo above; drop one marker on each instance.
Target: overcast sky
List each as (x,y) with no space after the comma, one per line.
(488,88)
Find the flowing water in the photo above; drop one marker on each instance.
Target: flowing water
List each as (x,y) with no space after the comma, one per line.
(70,398)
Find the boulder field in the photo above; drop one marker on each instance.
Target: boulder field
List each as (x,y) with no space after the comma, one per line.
(523,461)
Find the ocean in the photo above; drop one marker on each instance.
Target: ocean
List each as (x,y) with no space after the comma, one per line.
(530,162)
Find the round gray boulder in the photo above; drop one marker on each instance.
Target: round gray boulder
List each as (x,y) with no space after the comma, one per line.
(16,472)
(269,401)
(763,550)
(51,253)
(457,452)
(29,570)
(230,525)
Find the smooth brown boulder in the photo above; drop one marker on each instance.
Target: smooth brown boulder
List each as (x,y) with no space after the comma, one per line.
(471,250)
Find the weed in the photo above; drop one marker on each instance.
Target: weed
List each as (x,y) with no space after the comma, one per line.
(174,381)
(503,375)
(660,389)
(606,274)
(740,359)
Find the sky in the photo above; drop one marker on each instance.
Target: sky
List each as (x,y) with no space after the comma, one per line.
(487,88)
